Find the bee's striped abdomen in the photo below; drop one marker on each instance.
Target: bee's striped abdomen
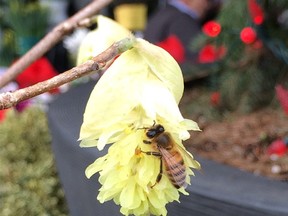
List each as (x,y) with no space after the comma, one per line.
(175,168)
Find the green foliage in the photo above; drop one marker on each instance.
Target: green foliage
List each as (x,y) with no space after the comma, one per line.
(27,19)
(28,180)
(232,17)
(22,24)
(7,47)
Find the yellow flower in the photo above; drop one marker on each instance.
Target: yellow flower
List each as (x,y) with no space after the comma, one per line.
(141,89)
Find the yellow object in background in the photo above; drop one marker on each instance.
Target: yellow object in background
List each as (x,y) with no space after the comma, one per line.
(131,16)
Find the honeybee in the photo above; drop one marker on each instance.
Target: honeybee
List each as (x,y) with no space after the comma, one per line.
(169,155)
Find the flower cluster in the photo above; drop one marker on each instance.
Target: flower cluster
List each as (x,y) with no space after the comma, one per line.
(210,53)
(141,88)
(248,35)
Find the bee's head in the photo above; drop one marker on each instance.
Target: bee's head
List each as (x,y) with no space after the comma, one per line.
(155,131)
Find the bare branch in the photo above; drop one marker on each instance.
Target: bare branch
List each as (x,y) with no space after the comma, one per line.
(51,39)
(9,99)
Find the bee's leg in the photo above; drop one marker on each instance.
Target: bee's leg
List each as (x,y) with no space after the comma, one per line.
(159,177)
(147,142)
(157,154)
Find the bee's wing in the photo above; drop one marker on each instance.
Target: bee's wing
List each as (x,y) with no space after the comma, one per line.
(175,169)
(188,158)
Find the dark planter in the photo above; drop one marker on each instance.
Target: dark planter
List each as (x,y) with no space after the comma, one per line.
(217,190)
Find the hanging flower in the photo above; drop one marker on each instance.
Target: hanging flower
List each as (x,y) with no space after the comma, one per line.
(140,89)
(256,12)
(248,35)
(211,28)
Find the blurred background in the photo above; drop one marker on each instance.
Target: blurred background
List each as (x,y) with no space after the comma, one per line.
(234,58)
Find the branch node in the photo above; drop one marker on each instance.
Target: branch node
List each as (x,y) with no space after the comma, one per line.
(87,22)
(67,27)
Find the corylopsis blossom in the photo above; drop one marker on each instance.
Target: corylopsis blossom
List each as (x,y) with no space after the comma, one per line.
(141,88)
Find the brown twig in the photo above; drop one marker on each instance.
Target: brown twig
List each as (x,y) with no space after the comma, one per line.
(9,99)
(51,39)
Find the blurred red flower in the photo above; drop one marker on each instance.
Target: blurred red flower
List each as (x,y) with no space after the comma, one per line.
(211,28)
(174,47)
(3,114)
(277,147)
(258,44)
(256,12)
(210,53)
(38,71)
(248,35)
(215,98)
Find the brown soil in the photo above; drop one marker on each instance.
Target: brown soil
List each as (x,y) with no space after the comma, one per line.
(238,140)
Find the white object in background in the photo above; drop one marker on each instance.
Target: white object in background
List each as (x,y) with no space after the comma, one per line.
(73,41)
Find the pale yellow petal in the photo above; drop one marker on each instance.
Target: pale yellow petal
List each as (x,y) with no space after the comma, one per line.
(95,167)
(155,200)
(106,137)
(143,209)
(106,195)
(115,95)
(156,99)
(171,195)
(98,40)
(128,196)
(88,143)
(190,125)
(163,65)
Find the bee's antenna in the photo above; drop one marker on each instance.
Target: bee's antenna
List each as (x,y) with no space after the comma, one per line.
(146,128)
